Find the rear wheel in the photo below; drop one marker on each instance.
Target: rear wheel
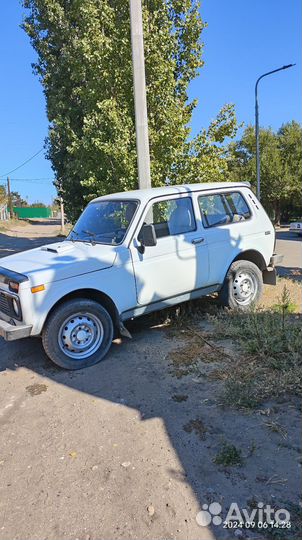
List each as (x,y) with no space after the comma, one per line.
(242,286)
(78,334)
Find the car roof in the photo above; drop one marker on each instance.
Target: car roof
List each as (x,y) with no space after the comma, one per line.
(145,195)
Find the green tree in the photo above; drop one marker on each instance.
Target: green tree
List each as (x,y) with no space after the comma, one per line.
(84,64)
(38,204)
(280,166)
(17,200)
(3,196)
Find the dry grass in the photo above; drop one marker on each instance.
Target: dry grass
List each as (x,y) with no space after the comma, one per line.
(256,355)
(270,363)
(199,348)
(11,223)
(273,293)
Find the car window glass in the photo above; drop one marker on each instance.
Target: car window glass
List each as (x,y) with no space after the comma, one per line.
(171,217)
(214,210)
(104,222)
(224,208)
(238,205)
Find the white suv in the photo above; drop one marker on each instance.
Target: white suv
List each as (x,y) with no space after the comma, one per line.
(133,253)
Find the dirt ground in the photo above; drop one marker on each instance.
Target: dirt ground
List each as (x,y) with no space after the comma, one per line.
(128,449)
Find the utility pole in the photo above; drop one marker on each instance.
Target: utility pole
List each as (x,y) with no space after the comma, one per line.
(140,99)
(257,124)
(10,201)
(62,216)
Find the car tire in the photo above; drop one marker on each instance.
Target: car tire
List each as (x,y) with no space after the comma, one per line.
(78,334)
(243,285)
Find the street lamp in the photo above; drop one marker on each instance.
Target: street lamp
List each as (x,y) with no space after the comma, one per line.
(140,99)
(257,123)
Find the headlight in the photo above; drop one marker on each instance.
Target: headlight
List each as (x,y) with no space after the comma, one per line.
(16,307)
(13,286)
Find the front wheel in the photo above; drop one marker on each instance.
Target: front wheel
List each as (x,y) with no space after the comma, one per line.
(78,334)
(242,286)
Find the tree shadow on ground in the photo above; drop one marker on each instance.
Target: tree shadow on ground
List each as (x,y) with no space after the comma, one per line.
(294,273)
(288,235)
(12,244)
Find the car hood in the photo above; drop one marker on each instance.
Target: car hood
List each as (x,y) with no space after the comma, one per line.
(60,260)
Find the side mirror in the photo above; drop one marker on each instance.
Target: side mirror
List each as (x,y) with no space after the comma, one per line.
(147,237)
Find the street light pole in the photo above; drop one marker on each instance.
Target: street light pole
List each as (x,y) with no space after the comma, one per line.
(257,124)
(140,99)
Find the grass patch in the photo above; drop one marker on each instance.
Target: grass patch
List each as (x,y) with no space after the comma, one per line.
(228,456)
(11,223)
(240,394)
(269,359)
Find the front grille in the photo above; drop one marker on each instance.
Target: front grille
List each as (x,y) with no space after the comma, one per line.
(6,305)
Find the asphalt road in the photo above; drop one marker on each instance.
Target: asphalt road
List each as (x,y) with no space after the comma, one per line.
(289,245)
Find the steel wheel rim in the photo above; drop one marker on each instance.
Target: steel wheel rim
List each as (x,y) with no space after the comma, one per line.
(245,287)
(80,335)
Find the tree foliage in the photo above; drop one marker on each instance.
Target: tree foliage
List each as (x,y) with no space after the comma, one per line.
(84,64)
(3,196)
(280,166)
(17,200)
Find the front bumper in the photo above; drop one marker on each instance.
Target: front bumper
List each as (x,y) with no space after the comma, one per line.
(10,332)
(275,259)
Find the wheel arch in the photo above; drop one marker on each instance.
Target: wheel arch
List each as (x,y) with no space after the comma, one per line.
(91,294)
(253,256)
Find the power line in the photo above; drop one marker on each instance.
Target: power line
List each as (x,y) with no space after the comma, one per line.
(47,178)
(44,181)
(24,163)
(27,182)
(33,180)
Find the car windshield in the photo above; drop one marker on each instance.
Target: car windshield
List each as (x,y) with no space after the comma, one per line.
(104,222)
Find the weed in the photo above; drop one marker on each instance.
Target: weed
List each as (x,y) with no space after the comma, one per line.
(284,305)
(276,428)
(240,394)
(228,456)
(270,363)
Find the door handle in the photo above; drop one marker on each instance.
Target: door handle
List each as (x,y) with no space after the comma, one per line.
(197,240)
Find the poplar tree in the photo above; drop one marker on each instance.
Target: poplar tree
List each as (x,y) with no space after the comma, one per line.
(84,64)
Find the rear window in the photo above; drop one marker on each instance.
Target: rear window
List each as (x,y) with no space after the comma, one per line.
(223,208)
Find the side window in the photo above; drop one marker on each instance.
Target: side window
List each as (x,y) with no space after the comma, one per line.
(238,206)
(221,209)
(214,210)
(171,217)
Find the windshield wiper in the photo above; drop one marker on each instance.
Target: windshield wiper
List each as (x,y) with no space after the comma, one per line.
(74,232)
(90,233)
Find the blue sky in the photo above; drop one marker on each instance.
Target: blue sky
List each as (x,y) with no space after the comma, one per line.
(244,39)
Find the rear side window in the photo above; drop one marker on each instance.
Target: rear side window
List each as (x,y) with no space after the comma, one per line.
(238,205)
(171,217)
(223,208)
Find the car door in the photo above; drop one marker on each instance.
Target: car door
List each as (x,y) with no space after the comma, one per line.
(226,218)
(178,263)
